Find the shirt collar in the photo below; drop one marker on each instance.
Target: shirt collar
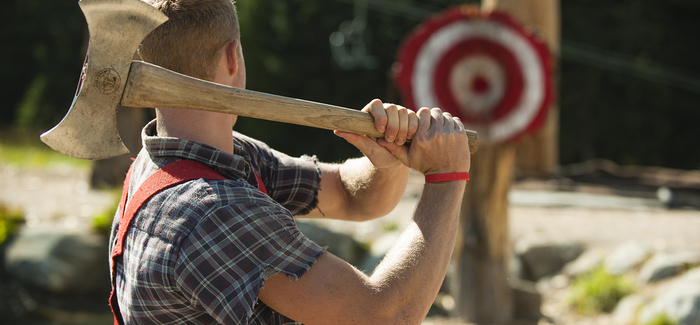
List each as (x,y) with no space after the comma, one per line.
(236,165)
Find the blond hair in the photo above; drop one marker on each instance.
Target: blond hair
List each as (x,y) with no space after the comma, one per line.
(191,41)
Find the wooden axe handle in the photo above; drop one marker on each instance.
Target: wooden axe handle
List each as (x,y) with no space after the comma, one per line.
(149,85)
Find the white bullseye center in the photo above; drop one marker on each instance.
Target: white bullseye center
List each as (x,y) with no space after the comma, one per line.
(477,83)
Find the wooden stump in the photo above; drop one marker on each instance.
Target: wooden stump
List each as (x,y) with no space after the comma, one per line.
(481,254)
(111,172)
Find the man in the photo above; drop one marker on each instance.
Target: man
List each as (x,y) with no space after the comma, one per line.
(223,251)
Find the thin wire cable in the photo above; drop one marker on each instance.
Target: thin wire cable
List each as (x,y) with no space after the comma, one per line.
(576,52)
(628,65)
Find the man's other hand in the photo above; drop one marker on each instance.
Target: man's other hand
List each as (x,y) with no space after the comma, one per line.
(440,144)
(398,124)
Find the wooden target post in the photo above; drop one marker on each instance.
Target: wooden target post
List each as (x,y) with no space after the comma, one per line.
(537,154)
(484,67)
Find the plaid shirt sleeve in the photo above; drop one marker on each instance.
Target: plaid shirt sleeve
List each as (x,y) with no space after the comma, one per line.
(293,182)
(224,261)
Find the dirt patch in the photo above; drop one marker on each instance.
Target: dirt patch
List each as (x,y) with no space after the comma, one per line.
(58,197)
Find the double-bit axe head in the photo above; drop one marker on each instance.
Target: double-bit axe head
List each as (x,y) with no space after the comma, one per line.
(116,28)
(110,79)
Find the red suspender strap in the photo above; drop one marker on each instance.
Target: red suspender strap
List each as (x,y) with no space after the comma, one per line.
(172,174)
(261,186)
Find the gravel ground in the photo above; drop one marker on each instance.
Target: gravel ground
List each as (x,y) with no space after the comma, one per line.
(60,198)
(665,229)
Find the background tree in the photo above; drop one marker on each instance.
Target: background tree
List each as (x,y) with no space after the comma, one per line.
(630,82)
(42,51)
(629,79)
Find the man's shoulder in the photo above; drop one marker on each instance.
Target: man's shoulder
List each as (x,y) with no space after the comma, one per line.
(214,193)
(198,204)
(249,142)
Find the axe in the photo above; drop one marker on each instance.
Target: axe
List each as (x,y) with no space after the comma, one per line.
(110,78)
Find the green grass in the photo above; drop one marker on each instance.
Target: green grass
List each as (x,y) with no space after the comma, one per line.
(662,319)
(391,226)
(598,291)
(10,220)
(25,150)
(102,221)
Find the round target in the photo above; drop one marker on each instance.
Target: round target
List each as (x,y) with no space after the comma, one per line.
(483,68)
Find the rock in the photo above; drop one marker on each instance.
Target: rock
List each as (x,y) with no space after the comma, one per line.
(666,265)
(680,303)
(515,266)
(626,257)
(544,259)
(585,263)
(379,249)
(62,263)
(15,301)
(341,245)
(526,300)
(625,313)
(678,197)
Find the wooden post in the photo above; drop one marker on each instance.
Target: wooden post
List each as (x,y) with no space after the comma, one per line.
(537,153)
(480,287)
(111,172)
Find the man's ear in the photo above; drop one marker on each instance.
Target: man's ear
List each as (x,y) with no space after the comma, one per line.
(232,59)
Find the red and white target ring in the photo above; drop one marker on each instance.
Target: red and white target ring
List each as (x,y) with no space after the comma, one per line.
(483,68)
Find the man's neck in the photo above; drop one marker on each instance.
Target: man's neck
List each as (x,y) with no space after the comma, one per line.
(210,128)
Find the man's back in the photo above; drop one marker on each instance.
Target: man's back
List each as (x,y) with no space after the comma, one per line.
(200,251)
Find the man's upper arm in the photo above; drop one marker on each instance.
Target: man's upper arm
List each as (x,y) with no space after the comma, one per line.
(331,292)
(332,197)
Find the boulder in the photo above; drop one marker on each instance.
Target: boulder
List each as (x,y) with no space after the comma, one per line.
(585,263)
(15,301)
(665,265)
(59,262)
(515,266)
(680,303)
(526,300)
(341,245)
(545,259)
(380,247)
(625,313)
(627,257)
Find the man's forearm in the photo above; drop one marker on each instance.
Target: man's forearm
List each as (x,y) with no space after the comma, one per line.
(371,192)
(412,272)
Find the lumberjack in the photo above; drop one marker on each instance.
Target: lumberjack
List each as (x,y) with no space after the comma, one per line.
(205,229)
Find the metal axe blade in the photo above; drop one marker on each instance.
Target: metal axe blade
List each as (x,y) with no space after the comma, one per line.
(116,29)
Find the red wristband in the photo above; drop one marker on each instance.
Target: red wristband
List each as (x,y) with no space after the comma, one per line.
(446,177)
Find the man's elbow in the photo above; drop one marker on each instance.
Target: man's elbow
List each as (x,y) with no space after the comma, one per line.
(383,310)
(395,316)
(366,212)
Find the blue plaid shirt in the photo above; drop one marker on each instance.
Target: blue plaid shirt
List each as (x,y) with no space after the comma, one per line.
(199,252)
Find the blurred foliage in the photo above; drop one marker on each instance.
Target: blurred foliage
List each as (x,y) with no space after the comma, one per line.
(42,52)
(611,114)
(10,220)
(102,221)
(662,319)
(604,113)
(22,148)
(598,291)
